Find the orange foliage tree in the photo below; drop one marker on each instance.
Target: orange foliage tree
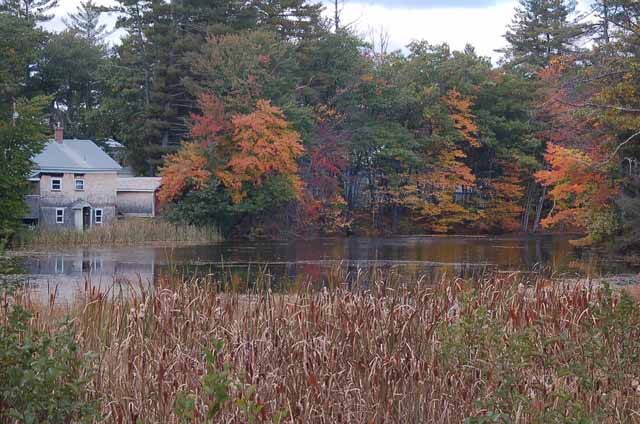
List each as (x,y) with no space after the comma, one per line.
(460,114)
(263,144)
(578,187)
(578,176)
(431,194)
(187,168)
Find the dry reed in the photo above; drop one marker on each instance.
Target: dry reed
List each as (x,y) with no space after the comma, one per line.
(497,350)
(125,232)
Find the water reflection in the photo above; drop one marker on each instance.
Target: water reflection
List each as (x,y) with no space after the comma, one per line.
(66,272)
(315,260)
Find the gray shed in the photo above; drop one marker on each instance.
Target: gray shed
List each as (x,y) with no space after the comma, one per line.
(136,196)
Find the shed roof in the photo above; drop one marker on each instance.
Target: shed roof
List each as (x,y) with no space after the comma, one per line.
(74,156)
(144,184)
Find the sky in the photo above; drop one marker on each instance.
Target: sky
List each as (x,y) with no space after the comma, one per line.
(481,23)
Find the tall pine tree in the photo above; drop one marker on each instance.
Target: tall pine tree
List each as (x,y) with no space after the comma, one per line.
(540,30)
(86,22)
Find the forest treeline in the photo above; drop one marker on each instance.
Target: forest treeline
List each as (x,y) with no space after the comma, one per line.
(267,118)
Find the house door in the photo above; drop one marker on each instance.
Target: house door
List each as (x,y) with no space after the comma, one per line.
(86,218)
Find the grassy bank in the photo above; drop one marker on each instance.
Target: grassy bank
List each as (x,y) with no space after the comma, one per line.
(482,351)
(124,232)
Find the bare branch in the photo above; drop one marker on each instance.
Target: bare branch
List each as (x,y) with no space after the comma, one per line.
(597,106)
(617,149)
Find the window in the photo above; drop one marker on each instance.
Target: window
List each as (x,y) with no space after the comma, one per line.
(59,216)
(59,265)
(79,184)
(98,216)
(56,184)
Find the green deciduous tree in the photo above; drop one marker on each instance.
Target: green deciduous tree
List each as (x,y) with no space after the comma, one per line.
(20,139)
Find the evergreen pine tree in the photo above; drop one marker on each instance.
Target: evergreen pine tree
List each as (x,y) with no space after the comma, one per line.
(540,30)
(33,11)
(86,22)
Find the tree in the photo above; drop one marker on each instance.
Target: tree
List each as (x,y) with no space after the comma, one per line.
(581,192)
(20,140)
(20,43)
(186,169)
(157,53)
(503,208)
(541,30)
(246,166)
(291,19)
(243,68)
(263,145)
(463,119)
(68,72)
(86,22)
(579,177)
(31,11)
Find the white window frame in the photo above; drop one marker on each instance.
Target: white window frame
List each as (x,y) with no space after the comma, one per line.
(59,180)
(60,218)
(79,180)
(98,219)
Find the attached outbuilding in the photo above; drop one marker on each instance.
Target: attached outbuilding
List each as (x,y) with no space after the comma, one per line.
(137,196)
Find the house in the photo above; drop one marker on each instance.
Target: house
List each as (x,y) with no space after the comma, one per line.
(75,185)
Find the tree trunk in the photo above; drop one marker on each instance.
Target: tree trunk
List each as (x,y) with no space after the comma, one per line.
(536,224)
(605,22)
(527,207)
(165,138)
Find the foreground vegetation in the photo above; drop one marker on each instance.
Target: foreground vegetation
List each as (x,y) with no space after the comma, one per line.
(125,232)
(502,349)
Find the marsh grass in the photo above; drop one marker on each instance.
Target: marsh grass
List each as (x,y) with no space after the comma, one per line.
(496,349)
(129,231)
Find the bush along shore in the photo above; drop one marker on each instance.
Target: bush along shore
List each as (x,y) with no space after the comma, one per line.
(129,231)
(498,349)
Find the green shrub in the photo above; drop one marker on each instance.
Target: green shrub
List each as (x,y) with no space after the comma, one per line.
(217,387)
(43,378)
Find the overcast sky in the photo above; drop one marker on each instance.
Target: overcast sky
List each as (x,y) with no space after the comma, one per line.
(481,23)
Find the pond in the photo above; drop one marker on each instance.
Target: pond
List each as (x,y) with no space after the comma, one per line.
(288,262)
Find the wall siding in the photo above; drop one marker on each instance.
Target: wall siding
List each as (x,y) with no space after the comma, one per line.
(135,203)
(48,217)
(99,191)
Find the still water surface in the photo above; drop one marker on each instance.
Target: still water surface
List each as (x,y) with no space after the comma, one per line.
(304,260)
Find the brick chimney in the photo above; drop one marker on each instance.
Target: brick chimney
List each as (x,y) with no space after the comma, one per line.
(58,134)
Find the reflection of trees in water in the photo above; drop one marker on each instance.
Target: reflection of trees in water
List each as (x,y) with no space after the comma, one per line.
(320,262)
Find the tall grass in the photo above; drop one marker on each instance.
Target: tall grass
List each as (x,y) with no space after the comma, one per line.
(499,349)
(125,232)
